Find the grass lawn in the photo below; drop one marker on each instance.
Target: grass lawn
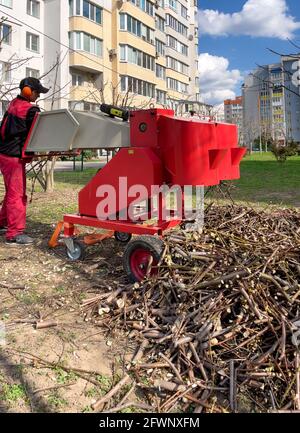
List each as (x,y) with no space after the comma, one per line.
(65,179)
(264,181)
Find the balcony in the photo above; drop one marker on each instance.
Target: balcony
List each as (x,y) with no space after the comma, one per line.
(86,62)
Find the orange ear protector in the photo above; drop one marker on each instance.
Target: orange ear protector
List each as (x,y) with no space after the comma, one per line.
(26,92)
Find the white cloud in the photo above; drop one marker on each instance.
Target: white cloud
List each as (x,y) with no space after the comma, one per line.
(217,82)
(258,18)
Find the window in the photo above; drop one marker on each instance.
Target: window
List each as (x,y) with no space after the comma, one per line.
(33,8)
(145,5)
(161,97)
(3,108)
(184,12)
(178,66)
(134,26)
(85,9)
(83,106)
(172,42)
(32,42)
(7,3)
(176,45)
(160,72)
(84,41)
(159,23)
(123,56)
(77,80)
(176,25)
(123,83)
(5,72)
(176,85)
(90,106)
(35,73)
(122,22)
(173,5)
(132,55)
(160,47)
(140,87)
(5,33)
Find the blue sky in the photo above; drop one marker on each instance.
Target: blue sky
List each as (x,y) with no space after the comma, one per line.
(234,36)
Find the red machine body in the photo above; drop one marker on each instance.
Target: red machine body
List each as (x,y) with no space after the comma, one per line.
(198,153)
(166,150)
(139,166)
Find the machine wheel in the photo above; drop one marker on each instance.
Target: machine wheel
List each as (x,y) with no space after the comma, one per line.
(78,252)
(123,237)
(137,255)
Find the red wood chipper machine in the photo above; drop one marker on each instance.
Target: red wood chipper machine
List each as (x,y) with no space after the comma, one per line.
(155,151)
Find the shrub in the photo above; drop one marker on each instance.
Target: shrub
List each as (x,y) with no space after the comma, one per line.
(282,152)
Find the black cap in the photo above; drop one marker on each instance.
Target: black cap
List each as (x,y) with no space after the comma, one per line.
(34,84)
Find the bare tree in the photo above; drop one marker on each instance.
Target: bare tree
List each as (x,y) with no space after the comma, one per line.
(251,132)
(49,166)
(8,90)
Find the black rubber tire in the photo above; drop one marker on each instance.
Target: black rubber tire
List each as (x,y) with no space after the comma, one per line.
(149,243)
(79,253)
(123,237)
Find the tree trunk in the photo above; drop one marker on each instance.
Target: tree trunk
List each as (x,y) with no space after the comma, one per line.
(49,175)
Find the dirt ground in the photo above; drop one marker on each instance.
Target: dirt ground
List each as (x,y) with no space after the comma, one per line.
(64,368)
(67,367)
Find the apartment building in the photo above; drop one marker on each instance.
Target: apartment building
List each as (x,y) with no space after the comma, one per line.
(291,69)
(272,102)
(126,52)
(233,113)
(21,48)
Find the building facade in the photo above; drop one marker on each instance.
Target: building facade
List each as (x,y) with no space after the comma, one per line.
(233,113)
(291,68)
(21,48)
(132,53)
(272,102)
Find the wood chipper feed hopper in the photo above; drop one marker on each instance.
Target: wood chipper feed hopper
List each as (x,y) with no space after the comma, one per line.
(127,197)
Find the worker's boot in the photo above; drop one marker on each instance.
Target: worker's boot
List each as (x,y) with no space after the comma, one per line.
(21,239)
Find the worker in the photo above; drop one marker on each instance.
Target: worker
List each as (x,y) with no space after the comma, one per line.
(14,129)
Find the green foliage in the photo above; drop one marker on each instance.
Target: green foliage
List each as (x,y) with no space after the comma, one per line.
(282,152)
(12,393)
(130,409)
(264,142)
(56,401)
(92,392)
(60,290)
(87,409)
(30,298)
(105,382)
(63,376)
(87,155)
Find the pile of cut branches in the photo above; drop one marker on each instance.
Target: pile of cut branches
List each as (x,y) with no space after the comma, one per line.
(220,323)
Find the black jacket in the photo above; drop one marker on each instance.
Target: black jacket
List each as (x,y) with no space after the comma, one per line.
(15,126)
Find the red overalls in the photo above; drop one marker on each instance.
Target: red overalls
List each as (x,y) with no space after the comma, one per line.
(13,133)
(13,211)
